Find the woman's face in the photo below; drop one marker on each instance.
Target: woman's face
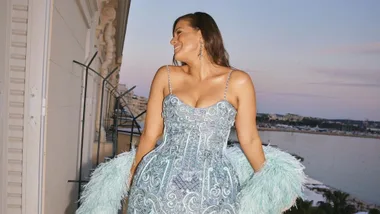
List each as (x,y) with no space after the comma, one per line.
(186,42)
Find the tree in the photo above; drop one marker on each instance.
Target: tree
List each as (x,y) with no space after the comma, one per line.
(374,211)
(304,207)
(301,207)
(336,203)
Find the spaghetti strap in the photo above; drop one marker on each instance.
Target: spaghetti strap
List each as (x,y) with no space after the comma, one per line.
(170,84)
(226,89)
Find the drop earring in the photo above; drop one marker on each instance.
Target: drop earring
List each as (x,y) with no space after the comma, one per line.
(200,55)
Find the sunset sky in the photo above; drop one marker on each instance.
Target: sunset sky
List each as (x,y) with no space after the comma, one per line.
(313,58)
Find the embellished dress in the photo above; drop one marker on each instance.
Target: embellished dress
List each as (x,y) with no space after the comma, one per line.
(189,171)
(193,171)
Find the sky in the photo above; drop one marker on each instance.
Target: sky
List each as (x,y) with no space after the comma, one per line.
(312,58)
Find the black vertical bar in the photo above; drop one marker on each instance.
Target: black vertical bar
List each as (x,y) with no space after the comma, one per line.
(131,139)
(101,112)
(115,126)
(83,122)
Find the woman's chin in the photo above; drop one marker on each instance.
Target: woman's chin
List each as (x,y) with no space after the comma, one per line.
(179,57)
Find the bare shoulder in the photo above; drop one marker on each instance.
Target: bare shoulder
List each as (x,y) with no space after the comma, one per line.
(161,78)
(161,73)
(175,72)
(159,82)
(240,79)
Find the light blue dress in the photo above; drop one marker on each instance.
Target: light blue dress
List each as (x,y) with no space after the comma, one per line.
(193,171)
(189,171)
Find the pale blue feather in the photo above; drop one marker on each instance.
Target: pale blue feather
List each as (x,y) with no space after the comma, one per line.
(274,188)
(108,186)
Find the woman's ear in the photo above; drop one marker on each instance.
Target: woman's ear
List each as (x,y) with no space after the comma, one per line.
(199,33)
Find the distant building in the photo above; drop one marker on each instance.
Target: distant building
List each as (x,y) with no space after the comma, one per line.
(276,117)
(136,104)
(122,88)
(287,117)
(293,117)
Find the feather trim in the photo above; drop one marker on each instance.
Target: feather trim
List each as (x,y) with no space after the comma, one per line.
(270,191)
(108,186)
(274,188)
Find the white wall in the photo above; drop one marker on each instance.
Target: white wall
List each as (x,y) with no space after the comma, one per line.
(13,90)
(3,25)
(39,41)
(70,40)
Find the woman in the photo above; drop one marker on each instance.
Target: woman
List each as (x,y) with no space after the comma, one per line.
(193,106)
(199,101)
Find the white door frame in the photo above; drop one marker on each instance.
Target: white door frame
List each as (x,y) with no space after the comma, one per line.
(39,27)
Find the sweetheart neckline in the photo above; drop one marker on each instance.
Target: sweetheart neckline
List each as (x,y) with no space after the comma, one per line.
(200,108)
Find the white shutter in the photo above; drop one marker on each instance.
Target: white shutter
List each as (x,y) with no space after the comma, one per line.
(24,56)
(15,105)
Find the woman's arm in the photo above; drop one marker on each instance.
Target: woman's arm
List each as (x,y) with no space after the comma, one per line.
(153,126)
(281,177)
(245,123)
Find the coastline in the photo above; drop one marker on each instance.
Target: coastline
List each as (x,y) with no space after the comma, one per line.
(315,190)
(319,133)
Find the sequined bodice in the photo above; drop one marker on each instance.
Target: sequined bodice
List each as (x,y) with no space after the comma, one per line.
(212,123)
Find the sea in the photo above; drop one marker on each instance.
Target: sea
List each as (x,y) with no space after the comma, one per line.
(350,164)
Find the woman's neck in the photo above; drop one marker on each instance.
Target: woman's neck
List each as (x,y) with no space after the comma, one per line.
(201,68)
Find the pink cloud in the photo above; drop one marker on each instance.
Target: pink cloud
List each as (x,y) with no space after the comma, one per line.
(369,48)
(359,85)
(295,94)
(363,75)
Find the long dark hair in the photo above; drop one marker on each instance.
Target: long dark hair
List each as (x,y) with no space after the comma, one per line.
(213,41)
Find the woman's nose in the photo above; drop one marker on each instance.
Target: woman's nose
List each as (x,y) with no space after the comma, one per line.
(173,41)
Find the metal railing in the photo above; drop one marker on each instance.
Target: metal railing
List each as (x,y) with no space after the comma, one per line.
(121,117)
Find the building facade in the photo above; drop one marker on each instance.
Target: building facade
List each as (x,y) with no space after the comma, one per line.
(42,96)
(136,104)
